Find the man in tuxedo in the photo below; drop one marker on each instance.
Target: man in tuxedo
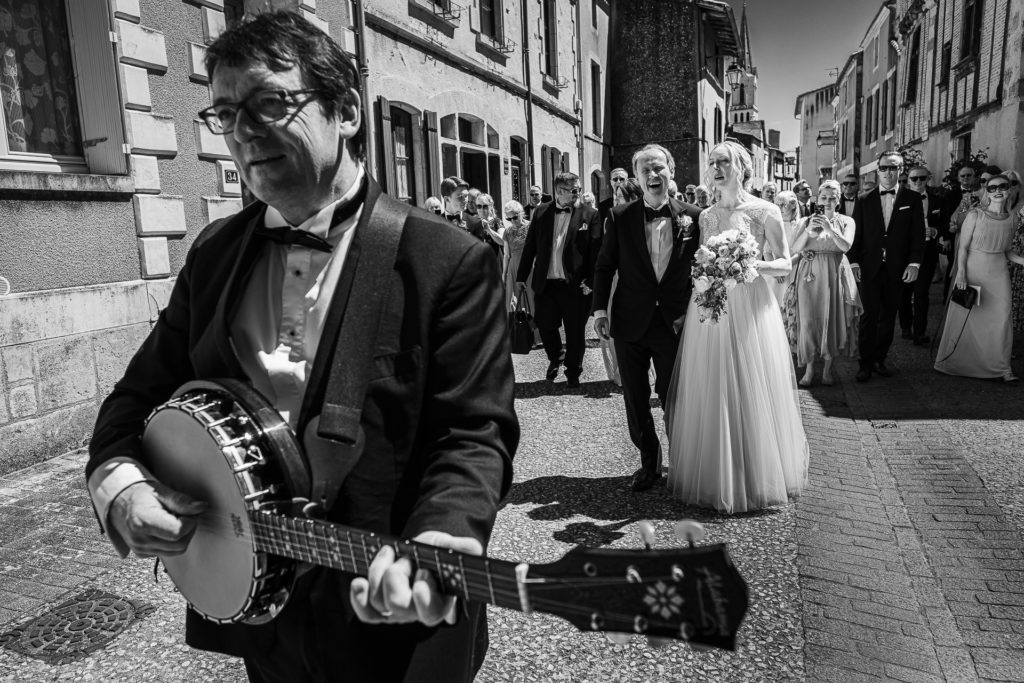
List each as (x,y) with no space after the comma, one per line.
(914,302)
(429,454)
(650,243)
(850,187)
(887,252)
(618,178)
(537,197)
(561,247)
(802,190)
(456,194)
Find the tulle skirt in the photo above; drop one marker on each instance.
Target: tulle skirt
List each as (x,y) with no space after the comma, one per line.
(736,439)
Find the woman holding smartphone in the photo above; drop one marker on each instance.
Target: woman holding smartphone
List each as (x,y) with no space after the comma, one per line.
(824,293)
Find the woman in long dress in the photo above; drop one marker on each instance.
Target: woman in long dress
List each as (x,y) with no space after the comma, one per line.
(736,440)
(824,292)
(789,206)
(977,342)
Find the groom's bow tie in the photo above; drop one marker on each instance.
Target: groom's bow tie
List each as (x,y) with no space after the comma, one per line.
(562,209)
(288,235)
(654,214)
(885,192)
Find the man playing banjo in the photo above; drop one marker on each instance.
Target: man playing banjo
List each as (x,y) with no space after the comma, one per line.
(253,302)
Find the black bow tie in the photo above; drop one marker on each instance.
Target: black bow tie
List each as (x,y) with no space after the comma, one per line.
(654,214)
(883,192)
(564,209)
(288,235)
(453,217)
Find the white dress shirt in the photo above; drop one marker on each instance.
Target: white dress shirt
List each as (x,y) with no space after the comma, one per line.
(275,332)
(556,269)
(659,240)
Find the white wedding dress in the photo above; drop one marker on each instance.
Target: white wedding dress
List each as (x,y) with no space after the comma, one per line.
(736,440)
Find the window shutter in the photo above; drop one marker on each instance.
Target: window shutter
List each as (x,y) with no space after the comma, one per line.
(419,174)
(474,16)
(433,153)
(387,146)
(499,20)
(98,96)
(565,161)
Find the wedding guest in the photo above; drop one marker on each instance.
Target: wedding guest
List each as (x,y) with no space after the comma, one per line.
(977,342)
(617,177)
(537,197)
(789,206)
(471,201)
(826,301)
(850,188)
(968,196)
(434,205)
(587,199)
(690,194)
(768,192)
(455,192)
(913,311)
(703,196)
(514,237)
(802,189)
(491,223)
(1016,204)
(886,253)
(561,248)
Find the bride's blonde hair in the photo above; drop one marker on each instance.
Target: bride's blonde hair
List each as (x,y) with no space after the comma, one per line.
(741,163)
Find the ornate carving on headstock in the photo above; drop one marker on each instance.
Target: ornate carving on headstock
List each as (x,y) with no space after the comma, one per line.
(663,600)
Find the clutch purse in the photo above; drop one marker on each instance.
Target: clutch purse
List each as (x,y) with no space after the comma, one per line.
(966,297)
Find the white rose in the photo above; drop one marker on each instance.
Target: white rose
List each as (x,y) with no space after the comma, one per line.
(730,284)
(702,284)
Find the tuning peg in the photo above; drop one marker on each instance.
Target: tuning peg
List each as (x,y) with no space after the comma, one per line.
(690,531)
(647,534)
(618,638)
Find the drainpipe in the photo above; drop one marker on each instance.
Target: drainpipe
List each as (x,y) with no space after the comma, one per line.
(579,87)
(359,22)
(529,90)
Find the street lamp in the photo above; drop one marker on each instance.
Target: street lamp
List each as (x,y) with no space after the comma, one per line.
(733,75)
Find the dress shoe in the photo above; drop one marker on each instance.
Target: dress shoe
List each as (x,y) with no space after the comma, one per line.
(923,340)
(863,375)
(907,334)
(553,370)
(572,382)
(1010,377)
(881,370)
(643,480)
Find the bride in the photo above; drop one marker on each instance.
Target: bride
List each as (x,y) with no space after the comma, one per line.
(736,442)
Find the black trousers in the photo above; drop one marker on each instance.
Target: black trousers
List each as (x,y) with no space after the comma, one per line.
(914,298)
(561,304)
(881,298)
(659,343)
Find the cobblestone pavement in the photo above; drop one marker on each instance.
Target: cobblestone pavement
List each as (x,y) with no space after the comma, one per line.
(902,561)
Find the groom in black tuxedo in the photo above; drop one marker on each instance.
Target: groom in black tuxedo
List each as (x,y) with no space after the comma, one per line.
(887,252)
(650,243)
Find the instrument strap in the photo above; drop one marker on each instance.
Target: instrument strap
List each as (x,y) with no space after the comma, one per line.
(334,440)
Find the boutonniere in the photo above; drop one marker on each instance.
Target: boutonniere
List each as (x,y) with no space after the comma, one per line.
(684,225)
(582,227)
(461,224)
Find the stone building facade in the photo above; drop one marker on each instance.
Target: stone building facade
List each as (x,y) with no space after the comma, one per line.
(679,99)
(817,141)
(847,105)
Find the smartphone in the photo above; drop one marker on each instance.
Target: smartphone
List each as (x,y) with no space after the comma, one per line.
(819,210)
(975,200)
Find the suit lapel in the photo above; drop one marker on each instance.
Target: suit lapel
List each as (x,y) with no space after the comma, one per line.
(638,229)
(874,204)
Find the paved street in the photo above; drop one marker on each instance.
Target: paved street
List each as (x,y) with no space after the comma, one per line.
(904,560)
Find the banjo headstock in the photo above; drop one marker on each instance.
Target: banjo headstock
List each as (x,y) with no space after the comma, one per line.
(693,594)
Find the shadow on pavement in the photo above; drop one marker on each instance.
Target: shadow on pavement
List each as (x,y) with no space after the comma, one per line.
(542,387)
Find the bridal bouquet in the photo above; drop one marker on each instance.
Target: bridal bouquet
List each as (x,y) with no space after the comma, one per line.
(724,262)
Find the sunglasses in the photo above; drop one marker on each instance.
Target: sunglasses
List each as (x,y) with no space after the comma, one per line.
(848,184)
(483,206)
(888,168)
(918,178)
(1000,187)
(513,217)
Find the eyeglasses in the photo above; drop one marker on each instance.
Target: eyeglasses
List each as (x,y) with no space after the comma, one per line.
(570,190)
(263,107)
(999,187)
(888,168)
(535,194)
(918,178)
(483,206)
(849,184)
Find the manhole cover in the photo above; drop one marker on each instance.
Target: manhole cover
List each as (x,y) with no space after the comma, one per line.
(75,628)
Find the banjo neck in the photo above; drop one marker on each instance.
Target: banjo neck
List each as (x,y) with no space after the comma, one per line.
(480,579)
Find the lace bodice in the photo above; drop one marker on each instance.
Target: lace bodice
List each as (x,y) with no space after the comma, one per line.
(752,215)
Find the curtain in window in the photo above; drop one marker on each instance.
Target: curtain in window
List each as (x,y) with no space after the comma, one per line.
(37,78)
(401,135)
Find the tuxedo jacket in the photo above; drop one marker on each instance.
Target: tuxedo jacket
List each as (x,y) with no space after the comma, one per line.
(639,293)
(902,242)
(950,203)
(841,208)
(604,207)
(440,431)
(582,242)
(933,216)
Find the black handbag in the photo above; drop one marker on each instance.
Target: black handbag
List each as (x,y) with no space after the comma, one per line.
(966,297)
(520,326)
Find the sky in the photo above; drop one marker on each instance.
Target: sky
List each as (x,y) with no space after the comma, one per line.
(794,44)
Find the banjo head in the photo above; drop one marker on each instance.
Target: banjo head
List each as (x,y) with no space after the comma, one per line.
(205,444)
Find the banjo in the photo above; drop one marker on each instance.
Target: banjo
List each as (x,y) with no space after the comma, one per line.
(221,442)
